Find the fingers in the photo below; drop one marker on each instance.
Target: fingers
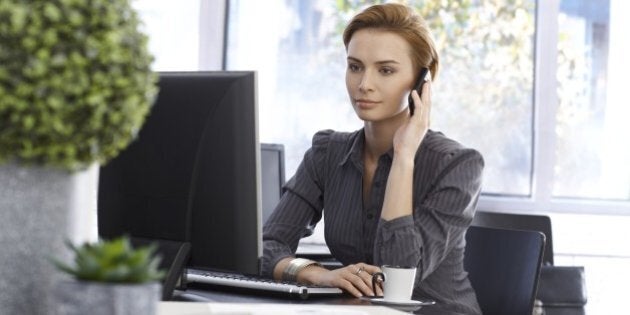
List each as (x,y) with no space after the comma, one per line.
(356,279)
(426,93)
(356,276)
(370,270)
(359,277)
(349,287)
(423,104)
(426,100)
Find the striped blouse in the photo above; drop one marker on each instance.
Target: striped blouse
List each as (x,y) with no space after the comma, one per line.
(446,185)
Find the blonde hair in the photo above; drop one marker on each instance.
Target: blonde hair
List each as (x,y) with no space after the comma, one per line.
(405,22)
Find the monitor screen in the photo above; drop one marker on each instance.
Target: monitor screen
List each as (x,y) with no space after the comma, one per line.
(193,172)
(272,176)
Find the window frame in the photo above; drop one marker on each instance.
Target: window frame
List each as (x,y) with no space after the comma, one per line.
(213,48)
(213,26)
(545,108)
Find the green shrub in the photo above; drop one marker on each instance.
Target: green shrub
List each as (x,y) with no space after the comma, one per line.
(75,81)
(113,261)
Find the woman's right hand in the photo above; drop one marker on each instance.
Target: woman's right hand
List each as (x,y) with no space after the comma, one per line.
(356,279)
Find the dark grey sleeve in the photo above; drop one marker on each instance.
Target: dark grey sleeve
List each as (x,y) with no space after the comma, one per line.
(300,207)
(439,221)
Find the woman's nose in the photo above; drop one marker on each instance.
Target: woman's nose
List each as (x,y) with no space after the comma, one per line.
(366,83)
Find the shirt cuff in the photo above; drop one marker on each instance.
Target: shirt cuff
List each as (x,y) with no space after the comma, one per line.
(397,223)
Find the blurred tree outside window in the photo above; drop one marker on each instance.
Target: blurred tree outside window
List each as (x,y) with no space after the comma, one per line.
(592,151)
(483,96)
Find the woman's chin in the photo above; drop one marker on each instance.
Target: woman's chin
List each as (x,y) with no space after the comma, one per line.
(373,116)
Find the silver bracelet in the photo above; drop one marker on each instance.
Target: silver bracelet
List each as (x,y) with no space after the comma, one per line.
(295,266)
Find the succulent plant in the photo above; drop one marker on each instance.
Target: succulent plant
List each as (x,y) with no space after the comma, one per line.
(75,81)
(113,261)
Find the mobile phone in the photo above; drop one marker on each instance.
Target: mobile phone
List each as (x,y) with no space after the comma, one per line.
(418,87)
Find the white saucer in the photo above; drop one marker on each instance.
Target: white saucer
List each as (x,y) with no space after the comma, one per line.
(401,303)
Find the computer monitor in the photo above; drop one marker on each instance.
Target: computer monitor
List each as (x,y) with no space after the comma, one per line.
(192,174)
(272,176)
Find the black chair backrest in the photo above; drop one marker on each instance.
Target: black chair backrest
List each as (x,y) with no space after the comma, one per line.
(503,268)
(513,221)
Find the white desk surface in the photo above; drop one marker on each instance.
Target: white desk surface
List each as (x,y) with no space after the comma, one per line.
(199,308)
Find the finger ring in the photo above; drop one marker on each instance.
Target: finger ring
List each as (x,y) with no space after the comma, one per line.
(360,270)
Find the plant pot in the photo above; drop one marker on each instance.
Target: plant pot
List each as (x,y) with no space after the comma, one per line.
(39,209)
(100,298)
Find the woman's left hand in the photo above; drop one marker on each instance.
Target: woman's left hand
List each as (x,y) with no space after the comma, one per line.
(356,279)
(409,136)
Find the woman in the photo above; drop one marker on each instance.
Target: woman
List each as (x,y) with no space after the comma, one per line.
(394,192)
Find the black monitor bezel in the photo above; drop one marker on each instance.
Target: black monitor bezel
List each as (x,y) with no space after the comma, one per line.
(218,241)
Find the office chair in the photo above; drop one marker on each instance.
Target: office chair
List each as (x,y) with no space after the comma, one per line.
(513,221)
(503,267)
(561,289)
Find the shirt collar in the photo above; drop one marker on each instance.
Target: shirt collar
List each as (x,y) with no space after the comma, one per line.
(355,151)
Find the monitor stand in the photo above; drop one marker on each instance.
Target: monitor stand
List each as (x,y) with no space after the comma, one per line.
(174,255)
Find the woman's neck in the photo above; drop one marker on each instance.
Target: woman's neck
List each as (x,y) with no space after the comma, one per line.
(379,136)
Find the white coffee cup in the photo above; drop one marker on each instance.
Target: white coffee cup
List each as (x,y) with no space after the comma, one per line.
(397,281)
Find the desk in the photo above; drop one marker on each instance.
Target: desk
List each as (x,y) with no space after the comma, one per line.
(250,301)
(198,308)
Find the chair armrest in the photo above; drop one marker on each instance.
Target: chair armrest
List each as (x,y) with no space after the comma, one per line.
(562,286)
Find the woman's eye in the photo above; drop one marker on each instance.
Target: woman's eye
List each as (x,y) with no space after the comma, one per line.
(387,71)
(354,67)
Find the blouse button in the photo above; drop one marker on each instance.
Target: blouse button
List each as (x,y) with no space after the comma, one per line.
(370,216)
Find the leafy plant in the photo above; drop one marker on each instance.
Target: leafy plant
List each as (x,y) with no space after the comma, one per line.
(113,261)
(75,81)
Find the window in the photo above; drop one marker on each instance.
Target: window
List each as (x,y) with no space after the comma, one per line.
(536,86)
(173,29)
(483,96)
(592,151)
(292,52)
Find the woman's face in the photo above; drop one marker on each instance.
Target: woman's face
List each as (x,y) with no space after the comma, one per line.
(379,75)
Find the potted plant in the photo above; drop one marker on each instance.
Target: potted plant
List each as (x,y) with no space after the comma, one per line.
(111,278)
(75,87)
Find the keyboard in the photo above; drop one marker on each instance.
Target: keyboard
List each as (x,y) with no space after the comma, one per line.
(258,284)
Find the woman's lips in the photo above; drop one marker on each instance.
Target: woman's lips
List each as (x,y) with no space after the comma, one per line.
(365,104)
